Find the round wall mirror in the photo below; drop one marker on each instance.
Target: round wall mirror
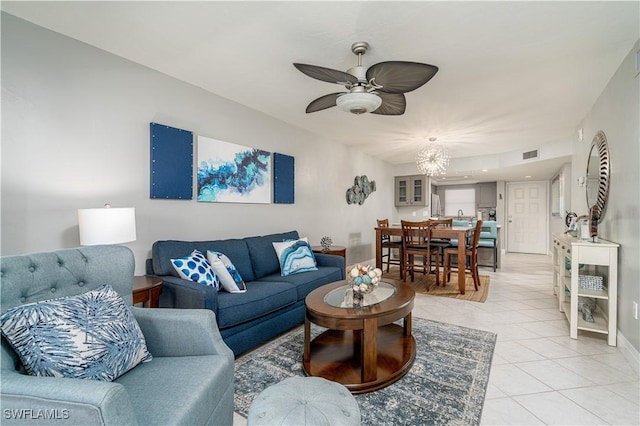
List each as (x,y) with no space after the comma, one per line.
(598,173)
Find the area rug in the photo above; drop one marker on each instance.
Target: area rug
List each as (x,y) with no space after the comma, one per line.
(427,285)
(446,384)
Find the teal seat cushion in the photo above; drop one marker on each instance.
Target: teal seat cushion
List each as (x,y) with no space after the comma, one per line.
(486,243)
(175,390)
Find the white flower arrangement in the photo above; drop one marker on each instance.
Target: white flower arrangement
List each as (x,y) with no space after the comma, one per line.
(364,279)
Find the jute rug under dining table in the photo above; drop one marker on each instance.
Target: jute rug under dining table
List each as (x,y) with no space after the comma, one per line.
(427,285)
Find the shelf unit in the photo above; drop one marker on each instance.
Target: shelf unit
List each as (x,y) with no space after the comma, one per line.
(584,252)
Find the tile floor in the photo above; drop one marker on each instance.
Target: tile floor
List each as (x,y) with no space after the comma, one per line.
(539,375)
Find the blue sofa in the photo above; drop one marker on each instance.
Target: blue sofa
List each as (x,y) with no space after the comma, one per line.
(272,303)
(189,380)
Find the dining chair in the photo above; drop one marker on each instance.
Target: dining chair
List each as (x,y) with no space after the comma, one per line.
(489,240)
(390,245)
(416,241)
(471,252)
(441,243)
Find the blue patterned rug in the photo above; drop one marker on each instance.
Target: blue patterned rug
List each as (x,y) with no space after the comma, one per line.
(446,384)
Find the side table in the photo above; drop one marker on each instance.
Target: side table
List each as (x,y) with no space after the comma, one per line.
(335,250)
(146,290)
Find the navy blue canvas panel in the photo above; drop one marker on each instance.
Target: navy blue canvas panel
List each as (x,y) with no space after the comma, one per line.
(171,163)
(284,179)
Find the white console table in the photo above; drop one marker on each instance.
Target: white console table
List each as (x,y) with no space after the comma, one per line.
(584,252)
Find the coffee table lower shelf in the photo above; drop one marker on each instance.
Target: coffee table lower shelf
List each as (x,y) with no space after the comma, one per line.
(336,355)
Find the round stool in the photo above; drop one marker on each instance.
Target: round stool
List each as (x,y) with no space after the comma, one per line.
(304,401)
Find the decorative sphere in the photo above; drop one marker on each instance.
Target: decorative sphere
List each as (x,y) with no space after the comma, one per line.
(354,272)
(357,280)
(366,279)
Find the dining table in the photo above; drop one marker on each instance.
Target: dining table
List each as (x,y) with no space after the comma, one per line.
(459,232)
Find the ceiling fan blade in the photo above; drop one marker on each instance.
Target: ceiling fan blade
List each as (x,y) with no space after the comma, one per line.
(326,74)
(392,104)
(400,76)
(323,102)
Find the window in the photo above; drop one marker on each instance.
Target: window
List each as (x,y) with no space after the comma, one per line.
(456,199)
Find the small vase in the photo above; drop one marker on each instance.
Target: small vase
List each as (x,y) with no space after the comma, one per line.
(358,298)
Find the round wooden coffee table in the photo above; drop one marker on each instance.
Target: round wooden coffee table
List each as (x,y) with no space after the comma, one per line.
(362,349)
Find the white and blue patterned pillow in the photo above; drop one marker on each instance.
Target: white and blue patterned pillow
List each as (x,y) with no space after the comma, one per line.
(295,256)
(196,268)
(225,270)
(92,335)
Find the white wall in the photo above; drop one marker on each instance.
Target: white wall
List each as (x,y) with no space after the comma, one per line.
(617,114)
(557,223)
(75,134)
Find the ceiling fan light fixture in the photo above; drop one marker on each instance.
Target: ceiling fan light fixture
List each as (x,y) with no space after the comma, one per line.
(359,103)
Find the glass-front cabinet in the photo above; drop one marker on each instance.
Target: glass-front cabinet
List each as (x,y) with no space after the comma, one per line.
(411,190)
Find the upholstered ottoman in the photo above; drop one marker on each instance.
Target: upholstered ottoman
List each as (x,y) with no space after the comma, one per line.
(304,401)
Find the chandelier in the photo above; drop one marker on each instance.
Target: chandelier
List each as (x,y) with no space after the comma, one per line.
(433,159)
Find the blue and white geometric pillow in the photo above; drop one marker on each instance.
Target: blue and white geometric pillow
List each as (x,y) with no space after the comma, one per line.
(88,336)
(225,270)
(295,257)
(196,268)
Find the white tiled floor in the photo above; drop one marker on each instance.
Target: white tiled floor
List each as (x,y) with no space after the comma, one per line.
(539,375)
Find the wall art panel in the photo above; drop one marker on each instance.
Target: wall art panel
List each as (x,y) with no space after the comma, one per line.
(231,173)
(171,163)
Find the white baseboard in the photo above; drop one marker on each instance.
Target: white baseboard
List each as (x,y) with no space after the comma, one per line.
(629,352)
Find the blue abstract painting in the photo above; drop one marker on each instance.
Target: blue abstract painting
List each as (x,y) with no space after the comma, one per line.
(231,173)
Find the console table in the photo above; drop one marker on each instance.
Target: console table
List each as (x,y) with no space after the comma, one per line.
(587,254)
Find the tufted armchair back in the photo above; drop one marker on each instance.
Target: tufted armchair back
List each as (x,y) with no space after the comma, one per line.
(34,277)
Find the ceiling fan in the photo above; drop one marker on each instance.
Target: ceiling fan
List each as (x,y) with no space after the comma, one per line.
(379,89)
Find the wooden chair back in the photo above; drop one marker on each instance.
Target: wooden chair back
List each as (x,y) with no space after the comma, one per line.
(476,236)
(415,235)
(384,223)
(442,222)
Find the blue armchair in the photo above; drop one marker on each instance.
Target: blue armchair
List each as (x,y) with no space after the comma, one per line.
(189,380)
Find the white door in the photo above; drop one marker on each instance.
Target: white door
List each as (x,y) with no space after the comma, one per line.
(527,217)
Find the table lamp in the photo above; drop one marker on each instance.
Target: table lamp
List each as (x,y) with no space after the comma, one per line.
(107,225)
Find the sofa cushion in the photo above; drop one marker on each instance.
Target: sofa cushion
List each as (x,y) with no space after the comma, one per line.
(92,335)
(196,268)
(295,257)
(236,250)
(263,256)
(260,299)
(306,282)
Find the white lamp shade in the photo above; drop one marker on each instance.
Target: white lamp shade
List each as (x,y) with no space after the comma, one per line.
(107,225)
(358,102)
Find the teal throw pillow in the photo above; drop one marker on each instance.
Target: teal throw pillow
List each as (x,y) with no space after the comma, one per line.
(295,257)
(225,270)
(196,268)
(93,335)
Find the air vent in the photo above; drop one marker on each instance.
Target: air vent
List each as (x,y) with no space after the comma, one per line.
(530,154)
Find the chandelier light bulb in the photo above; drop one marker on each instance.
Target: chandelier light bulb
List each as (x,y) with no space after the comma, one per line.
(433,159)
